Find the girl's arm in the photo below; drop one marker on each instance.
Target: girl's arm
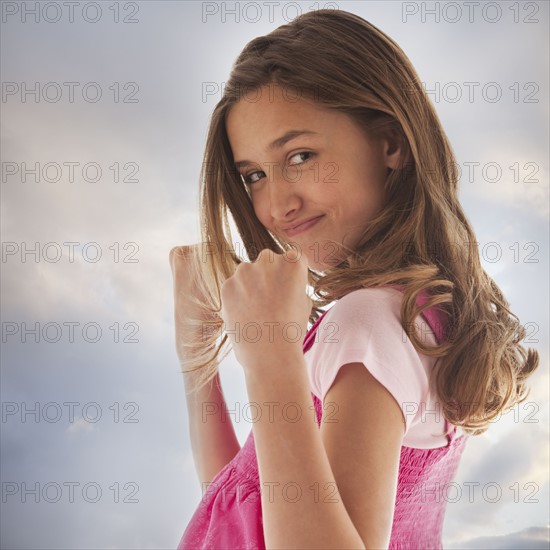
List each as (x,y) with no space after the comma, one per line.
(328,487)
(332,487)
(213,438)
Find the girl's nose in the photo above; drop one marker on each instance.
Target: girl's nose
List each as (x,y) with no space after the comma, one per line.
(283,196)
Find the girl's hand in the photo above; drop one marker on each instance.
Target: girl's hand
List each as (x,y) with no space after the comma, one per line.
(265,307)
(185,272)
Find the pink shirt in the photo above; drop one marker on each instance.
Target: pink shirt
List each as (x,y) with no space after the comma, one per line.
(364,327)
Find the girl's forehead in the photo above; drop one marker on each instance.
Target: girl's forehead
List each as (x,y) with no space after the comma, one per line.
(275,115)
(279,100)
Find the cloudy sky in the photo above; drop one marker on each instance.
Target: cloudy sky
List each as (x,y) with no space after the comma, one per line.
(104,117)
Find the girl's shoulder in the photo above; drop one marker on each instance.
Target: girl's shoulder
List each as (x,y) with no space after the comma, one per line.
(390,294)
(381,307)
(372,303)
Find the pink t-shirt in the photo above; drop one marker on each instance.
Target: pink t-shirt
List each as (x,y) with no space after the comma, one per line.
(364,327)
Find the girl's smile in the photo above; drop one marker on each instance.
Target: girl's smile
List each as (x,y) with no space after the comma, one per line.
(303,226)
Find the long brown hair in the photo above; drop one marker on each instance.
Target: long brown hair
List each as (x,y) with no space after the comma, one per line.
(421,239)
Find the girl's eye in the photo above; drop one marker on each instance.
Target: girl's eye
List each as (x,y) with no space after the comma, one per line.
(248,179)
(254,177)
(300,153)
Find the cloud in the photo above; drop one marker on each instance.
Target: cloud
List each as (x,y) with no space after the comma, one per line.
(80,425)
(532,538)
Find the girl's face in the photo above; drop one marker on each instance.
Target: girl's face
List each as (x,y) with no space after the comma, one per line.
(302,162)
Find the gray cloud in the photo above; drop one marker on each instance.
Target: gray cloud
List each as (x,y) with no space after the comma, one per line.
(533,538)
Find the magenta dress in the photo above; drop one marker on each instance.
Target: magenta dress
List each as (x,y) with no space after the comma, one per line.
(229,516)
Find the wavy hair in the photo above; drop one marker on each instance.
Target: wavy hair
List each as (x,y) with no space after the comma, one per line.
(420,240)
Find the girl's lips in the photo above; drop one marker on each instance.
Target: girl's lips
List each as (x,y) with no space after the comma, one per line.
(303,227)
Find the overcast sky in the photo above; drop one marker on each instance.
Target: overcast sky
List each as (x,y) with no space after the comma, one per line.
(105,461)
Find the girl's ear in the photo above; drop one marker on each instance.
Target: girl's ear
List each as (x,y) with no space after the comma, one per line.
(392,150)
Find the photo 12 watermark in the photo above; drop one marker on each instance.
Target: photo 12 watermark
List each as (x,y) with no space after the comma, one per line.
(254,12)
(479,92)
(53,492)
(69,12)
(268,411)
(69,412)
(70,92)
(69,332)
(69,172)
(470,12)
(54,252)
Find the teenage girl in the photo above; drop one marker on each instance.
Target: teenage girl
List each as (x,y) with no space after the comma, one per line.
(333,164)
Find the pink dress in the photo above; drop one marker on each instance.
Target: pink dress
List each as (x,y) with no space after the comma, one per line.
(229,515)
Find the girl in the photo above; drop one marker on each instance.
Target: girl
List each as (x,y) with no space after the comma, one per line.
(339,177)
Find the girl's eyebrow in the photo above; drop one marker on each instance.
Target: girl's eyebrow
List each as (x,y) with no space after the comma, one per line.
(278,143)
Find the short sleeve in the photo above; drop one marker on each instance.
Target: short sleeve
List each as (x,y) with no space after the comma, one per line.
(365,327)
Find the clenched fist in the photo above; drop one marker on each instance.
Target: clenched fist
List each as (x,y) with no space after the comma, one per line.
(266,308)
